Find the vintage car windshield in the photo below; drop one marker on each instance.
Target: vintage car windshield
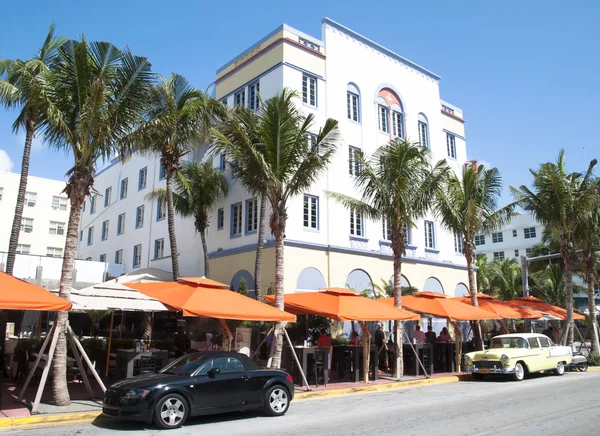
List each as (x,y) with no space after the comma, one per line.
(186,364)
(515,342)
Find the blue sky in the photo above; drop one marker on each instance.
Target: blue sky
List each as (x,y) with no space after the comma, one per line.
(525,75)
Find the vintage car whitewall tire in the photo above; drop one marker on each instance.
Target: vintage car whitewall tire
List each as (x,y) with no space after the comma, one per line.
(519,373)
(560,368)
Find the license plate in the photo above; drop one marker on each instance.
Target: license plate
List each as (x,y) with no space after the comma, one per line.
(483,370)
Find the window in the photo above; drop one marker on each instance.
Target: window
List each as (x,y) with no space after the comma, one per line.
(1,192)
(533,343)
(544,342)
(30,199)
(54,252)
(23,249)
(123,193)
(236,219)
(253,91)
(312,141)
(397,124)
(83,207)
(528,252)
(516,253)
(382,116)
(27,225)
(228,364)
(251,215)
(354,161)
(93,204)
(139,217)
(137,255)
(408,233)
(497,237)
(80,235)
(220,219)
(458,244)
(514,233)
(451,145)
(102,258)
(423,131)
(429,234)
(357,227)
(90,238)
(352,103)
(161,209)
(57,228)
(107,195)
(142,178)
(105,230)
(385,230)
(119,257)
(529,233)
(309,90)
(310,213)
(121,224)
(240,98)
(159,248)
(161,171)
(479,239)
(499,256)
(59,203)
(222,162)
(447,109)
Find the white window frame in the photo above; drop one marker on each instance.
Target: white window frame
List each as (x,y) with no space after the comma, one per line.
(137,256)
(57,228)
(516,253)
(423,134)
(514,233)
(161,209)
(123,189)
(119,257)
(430,235)
(357,223)
(121,224)
(23,249)
(458,244)
(139,217)
(159,248)
(54,252)
(142,178)
(397,124)
(27,225)
(386,233)
(309,90)
(528,252)
(499,256)
(451,145)
(310,212)
(354,165)
(237,220)
(239,98)
(383,118)
(253,99)
(93,202)
(107,196)
(102,258)
(497,237)
(30,199)
(105,225)
(479,240)
(352,106)
(529,233)
(251,222)
(220,218)
(90,236)
(59,203)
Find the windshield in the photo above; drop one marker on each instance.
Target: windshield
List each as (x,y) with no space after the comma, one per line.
(185,364)
(509,343)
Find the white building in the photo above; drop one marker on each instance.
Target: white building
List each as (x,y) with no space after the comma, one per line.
(45,216)
(375,95)
(512,241)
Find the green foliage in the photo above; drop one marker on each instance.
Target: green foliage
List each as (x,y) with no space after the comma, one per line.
(271,289)
(243,287)
(593,360)
(91,344)
(507,280)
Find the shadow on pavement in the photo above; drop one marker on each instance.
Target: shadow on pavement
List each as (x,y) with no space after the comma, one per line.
(508,379)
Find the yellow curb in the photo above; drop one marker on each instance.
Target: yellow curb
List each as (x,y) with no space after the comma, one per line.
(593,368)
(47,420)
(375,388)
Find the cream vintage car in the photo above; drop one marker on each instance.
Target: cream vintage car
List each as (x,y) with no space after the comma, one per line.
(518,355)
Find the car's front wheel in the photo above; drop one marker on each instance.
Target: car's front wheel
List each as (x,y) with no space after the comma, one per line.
(560,368)
(171,411)
(519,373)
(277,401)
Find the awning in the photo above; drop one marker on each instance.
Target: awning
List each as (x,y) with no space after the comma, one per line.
(439,305)
(501,308)
(195,300)
(125,299)
(342,305)
(16,294)
(542,306)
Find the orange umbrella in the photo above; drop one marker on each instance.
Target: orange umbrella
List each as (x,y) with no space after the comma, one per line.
(17,294)
(342,305)
(502,308)
(195,300)
(203,281)
(439,305)
(542,306)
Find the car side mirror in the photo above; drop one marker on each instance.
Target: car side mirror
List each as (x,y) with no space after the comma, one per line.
(214,371)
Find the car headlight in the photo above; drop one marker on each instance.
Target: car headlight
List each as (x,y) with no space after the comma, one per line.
(136,394)
(468,361)
(504,359)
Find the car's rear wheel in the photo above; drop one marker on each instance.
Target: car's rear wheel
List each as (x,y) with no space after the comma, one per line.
(478,377)
(582,367)
(171,411)
(560,368)
(277,401)
(519,373)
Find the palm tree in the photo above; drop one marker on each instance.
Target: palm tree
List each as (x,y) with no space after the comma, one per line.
(282,165)
(198,188)
(386,289)
(178,119)
(397,185)
(468,207)
(506,279)
(561,202)
(96,95)
(484,279)
(549,284)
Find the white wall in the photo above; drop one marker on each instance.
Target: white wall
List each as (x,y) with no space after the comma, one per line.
(511,243)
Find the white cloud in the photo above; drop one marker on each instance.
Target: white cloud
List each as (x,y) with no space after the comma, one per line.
(5,163)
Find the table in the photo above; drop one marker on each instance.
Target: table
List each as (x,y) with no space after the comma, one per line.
(356,357)
(443,356)
(303,353)
(127,357)
(411,364)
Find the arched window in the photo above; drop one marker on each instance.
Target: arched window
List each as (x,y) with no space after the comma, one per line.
(382,115)
(432,284)
(310,279)
(397,121)
(359,280)
(389,113)
(461,290)
(423,131)
(353,102)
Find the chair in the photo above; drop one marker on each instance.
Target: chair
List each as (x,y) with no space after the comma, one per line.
(321,365)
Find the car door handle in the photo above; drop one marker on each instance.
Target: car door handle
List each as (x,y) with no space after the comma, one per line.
(246,378)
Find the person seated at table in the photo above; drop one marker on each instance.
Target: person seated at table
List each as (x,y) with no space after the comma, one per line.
(430,335)
(324,340)
(444,336)
(354,340)
(419,335)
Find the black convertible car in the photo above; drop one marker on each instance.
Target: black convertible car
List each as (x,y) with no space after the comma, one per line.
(201,383)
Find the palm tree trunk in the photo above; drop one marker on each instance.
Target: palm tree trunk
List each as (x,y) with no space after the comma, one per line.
(205,250)
(259,249)
(470,257)
(278,230)
(59,372)
(171,224)
(398,325)
(569,329)
(590,266)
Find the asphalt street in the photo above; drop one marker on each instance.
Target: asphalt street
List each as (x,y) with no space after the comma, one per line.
(543,405)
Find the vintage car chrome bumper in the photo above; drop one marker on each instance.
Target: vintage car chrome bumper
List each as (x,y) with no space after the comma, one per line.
(475,370)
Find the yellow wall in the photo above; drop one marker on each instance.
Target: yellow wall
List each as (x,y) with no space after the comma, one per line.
(224,268)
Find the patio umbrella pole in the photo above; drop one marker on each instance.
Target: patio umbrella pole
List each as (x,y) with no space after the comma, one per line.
(261,344)
(84,377)
(227,332)
(296,359)
(38,395)
(458,357)
(366,351)
(112,321)
(416,355)
(36,364)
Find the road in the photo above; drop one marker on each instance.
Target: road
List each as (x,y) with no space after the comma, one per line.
(544,405)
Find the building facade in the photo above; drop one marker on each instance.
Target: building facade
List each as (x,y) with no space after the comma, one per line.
(45,216)
(376,95)
(512,241)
